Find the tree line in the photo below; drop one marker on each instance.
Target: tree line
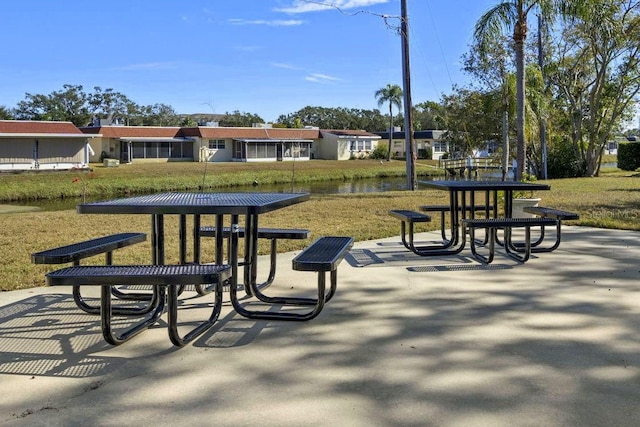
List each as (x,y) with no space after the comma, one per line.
(73,104)
(574,86)
(565,88)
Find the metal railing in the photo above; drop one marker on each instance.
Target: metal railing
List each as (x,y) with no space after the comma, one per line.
(469,165)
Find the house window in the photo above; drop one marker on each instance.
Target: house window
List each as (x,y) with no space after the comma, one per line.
(360,145)
(216,144)
(440,147)
(261,150)
(162,150)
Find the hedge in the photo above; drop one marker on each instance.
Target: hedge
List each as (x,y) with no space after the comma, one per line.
(629,156)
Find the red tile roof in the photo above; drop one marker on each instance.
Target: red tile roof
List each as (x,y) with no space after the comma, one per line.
(20,126)
(16,126)
(251,133)
(133,131)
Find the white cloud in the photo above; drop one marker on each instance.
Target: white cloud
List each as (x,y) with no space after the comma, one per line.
(285,66)
(248,48)
(321,78)
(273,23)
(299,6)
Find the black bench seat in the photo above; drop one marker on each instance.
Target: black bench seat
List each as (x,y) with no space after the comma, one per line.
(157,276)
(322,256)
(263,233)
(325,254)
(409,218)
(272,234)
(76,252)
(545,212)
(493,224)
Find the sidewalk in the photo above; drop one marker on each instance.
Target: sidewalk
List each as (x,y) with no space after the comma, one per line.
(406,341)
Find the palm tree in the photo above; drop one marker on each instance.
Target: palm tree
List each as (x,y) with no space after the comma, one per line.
(512,15)
(393,95)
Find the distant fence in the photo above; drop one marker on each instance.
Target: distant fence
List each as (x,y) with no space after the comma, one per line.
(455,167)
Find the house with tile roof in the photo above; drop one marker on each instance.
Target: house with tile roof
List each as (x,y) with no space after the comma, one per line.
(254,144)
(34,145)
(39,145)
(143,143)
(346,144)
(227,144)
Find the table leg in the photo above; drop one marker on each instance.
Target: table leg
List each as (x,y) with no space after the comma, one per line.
(233,261)
(182,235)
(453,245)
(157,239)
(251,253)
(219,257)
(196,239)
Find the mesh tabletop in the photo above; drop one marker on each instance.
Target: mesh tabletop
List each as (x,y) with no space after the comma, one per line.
(195,203)
(468,185)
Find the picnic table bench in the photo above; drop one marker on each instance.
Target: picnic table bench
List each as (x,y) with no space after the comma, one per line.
(76,252)
(159,277)
(407,220)
(493,224)
(322,256)
(546,212)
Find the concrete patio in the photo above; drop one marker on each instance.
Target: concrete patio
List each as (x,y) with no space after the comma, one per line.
(407,341)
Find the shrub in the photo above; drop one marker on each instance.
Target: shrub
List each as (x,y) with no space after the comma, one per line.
(380,152)
(562,162)
(629,156)
(424,153)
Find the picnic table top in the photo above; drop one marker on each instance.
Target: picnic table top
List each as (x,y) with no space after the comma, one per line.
(195,203)
(471,185)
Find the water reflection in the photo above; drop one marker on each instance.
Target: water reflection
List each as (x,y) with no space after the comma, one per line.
(326,187)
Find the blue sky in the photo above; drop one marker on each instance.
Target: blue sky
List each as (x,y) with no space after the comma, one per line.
(268,57)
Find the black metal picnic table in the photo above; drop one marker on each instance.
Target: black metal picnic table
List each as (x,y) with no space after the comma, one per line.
(462,193)
(250,205)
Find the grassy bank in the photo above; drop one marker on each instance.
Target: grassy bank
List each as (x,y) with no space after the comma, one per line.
(609,201)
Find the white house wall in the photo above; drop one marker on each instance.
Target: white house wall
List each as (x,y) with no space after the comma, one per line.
(327,147)
(53,154)
(61,152)
(16,154)
(16,150)
(343,149)
(203,153)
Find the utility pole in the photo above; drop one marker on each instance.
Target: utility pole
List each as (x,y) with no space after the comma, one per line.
(410,149)
(543,122)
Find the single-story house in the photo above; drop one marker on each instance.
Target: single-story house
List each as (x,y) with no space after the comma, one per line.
(253,144)
(226,144)
(424,139)
(40,145)
(346,144)
(142,143)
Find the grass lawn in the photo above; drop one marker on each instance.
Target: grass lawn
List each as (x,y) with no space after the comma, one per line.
(609,201)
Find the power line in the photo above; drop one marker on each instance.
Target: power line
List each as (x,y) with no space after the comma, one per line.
(439,44)
(334,6)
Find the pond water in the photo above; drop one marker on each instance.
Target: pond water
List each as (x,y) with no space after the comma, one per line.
(369,185)
(326,187)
